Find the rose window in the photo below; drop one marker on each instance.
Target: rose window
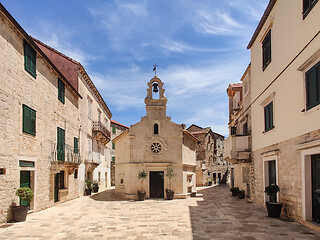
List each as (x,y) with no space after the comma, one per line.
(156,147)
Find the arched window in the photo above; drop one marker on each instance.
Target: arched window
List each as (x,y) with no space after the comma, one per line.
(155,128)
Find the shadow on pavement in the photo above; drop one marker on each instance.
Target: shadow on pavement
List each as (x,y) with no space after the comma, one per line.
(107,195)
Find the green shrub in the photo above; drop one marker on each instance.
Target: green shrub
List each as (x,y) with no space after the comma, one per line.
(88,184)
(25,193)
(95,183)
(272,191)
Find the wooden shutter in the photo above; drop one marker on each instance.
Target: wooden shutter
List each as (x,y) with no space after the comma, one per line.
(268,116)
(60,144)
(311,88)
(28,120)
(75,145)
(29,59)
(113,145)
(61,91)
(266,50)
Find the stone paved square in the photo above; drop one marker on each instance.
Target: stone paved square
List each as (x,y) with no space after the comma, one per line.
(216,215)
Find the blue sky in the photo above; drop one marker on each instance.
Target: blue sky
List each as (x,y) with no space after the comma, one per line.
(198,45)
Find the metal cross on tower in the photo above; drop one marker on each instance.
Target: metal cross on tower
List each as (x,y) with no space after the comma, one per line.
(155,69)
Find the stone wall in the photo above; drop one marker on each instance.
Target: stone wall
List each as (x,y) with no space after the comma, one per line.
(18,87)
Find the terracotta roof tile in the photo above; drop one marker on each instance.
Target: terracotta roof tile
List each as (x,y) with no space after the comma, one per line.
(114,122)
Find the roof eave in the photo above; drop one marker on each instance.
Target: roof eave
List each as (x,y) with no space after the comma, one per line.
(262,22)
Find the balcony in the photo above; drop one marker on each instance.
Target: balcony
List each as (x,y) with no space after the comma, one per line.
(237,149)
(100,133)
(64,153)
(93,158)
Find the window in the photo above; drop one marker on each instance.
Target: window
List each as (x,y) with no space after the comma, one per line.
(155,129)
(114,129)
(313,86)
(75,145)
(60,144)
(307,6)
(268,117)
(89,108)
(266,50)
(75,175)
(113,146)
(113,159)
(28,120)
(99,115)
(271,176)
(29,59)
(233,130)
(61,90)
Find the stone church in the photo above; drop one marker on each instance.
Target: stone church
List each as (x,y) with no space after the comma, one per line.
(153,144)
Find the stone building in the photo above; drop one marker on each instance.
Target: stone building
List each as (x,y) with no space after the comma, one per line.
(52,137)
(211,166)
(39,121)
(94,116)
(117,129)
(285,97)
(152,145)
(237,147)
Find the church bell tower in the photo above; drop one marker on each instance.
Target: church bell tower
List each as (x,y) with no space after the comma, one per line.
(156,101)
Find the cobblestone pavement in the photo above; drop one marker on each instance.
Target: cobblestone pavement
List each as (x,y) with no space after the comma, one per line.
(216,215)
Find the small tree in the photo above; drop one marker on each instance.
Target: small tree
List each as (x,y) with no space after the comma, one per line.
(272,191)
(142,174)
(170,175)
(25,193)
(88,184)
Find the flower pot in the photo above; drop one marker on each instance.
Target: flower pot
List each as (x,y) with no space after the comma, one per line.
(274,209)
(19,213)
(95,189)
(141,195)
(88,191)
(210,183)
(170,194)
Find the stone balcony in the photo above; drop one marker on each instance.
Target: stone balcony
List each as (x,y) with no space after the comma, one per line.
(237,149)
(93,158)
(100,133)
(65,154)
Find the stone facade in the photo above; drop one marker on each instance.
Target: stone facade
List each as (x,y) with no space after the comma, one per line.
(94,115)
(45,123)
(211,167)
(238,144)
(116,130)
(34,155)
(153,144)
(285,106)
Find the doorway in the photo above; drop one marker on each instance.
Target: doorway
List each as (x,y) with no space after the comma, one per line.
(156,184)
(58,184)
(25,182)
(315,175)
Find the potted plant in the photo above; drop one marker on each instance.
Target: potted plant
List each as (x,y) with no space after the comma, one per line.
(241,194)
(209,181)
(171,176)
(88,188)
(273,207)
(234,191)
(142,174)
(95,186)
(20,212)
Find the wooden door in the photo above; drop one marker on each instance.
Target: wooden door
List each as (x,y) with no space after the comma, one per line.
(156,184)
(24,182)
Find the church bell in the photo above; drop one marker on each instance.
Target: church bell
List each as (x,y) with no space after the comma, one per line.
(155,88)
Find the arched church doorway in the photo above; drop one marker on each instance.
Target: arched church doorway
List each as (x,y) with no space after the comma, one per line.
(156,184)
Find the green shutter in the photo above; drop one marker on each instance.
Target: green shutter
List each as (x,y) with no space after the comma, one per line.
(113,129)
(28,120)
(61,91)
(30,59)
(75,145)
(312,88)
(60,144)
(113,159)
(268,117)
(113,146)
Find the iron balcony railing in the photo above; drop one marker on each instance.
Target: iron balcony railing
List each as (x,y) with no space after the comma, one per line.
(64,153)
(93,157)
(100,132)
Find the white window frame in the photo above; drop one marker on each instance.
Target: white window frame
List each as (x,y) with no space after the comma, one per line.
(266,159)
